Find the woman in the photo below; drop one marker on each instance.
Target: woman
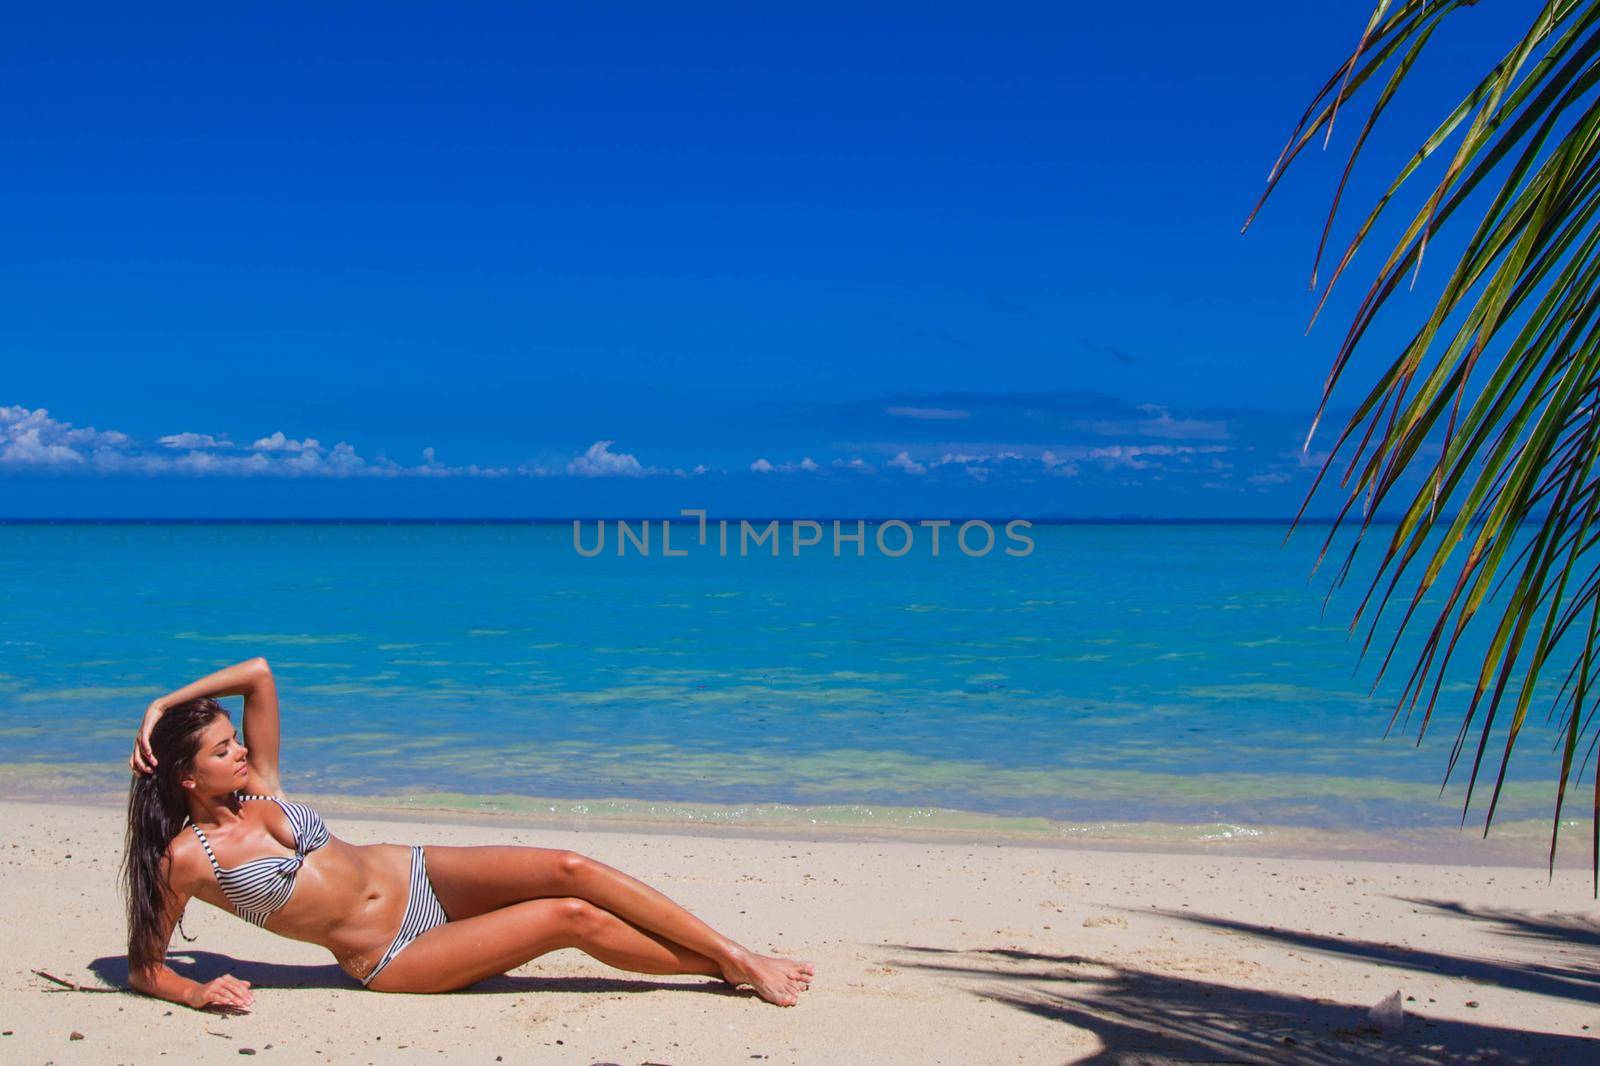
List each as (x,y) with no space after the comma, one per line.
(207,819)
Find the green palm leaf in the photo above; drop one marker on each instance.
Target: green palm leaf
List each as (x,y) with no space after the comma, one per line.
(1506,364)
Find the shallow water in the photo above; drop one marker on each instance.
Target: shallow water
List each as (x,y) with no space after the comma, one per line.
(1127,673)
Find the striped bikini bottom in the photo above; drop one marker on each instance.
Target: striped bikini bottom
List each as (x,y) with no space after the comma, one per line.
(423,912)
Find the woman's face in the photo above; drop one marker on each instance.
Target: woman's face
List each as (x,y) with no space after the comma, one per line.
(219,762)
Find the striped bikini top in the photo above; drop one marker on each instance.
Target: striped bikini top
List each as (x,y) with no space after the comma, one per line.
(260,887)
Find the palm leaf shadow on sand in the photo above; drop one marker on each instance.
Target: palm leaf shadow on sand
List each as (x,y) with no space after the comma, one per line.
(1140,1016)
(1572,930)
(1576,976)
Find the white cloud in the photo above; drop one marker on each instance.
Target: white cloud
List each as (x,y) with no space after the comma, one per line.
(279,443)
(1060,461)
(930,414)
(982,459)
(973,464)
(194,440)
(1136,456)
(601,461)
(903,461)
(762,466)
(1057,465)
(1122,455)
(1160,424)
(31,439)
(34,439)
(965,458)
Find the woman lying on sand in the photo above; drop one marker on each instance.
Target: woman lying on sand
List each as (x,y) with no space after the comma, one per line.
(207,818)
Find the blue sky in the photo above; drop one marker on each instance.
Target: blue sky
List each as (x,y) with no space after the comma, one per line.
(549,260)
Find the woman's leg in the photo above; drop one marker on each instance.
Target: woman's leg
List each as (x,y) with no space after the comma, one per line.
(474,880)
(464,952)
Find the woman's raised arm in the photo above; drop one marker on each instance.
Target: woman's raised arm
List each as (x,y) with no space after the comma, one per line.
(251,679)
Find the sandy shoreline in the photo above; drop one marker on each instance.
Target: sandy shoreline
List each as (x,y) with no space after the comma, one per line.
(927,951)
(1511,843)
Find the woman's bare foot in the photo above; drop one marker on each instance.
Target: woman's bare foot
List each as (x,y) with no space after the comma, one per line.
(776,980)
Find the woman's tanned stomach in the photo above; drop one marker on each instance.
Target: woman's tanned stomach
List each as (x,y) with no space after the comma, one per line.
(360,892)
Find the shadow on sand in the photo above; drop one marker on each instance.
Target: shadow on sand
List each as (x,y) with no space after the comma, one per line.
(206,965)
(1142,1016)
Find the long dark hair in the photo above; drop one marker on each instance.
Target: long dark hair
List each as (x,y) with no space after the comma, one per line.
(156,812)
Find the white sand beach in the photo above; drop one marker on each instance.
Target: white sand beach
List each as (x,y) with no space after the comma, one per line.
(926,952)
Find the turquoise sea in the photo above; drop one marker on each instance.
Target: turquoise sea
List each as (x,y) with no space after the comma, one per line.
(1128,673)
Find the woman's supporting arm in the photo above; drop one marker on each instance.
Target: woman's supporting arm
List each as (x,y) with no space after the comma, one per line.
(162,981)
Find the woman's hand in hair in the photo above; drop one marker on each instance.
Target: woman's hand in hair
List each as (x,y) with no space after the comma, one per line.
(226,991)
(143,759)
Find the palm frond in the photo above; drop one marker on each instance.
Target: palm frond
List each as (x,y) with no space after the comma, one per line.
(1506,363)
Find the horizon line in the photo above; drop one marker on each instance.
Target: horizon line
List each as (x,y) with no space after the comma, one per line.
(1051,520)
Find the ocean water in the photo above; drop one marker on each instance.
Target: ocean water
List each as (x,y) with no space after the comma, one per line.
(1128,673)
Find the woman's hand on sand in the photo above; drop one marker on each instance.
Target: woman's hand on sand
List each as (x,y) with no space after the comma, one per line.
(226,991)
(143,759)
